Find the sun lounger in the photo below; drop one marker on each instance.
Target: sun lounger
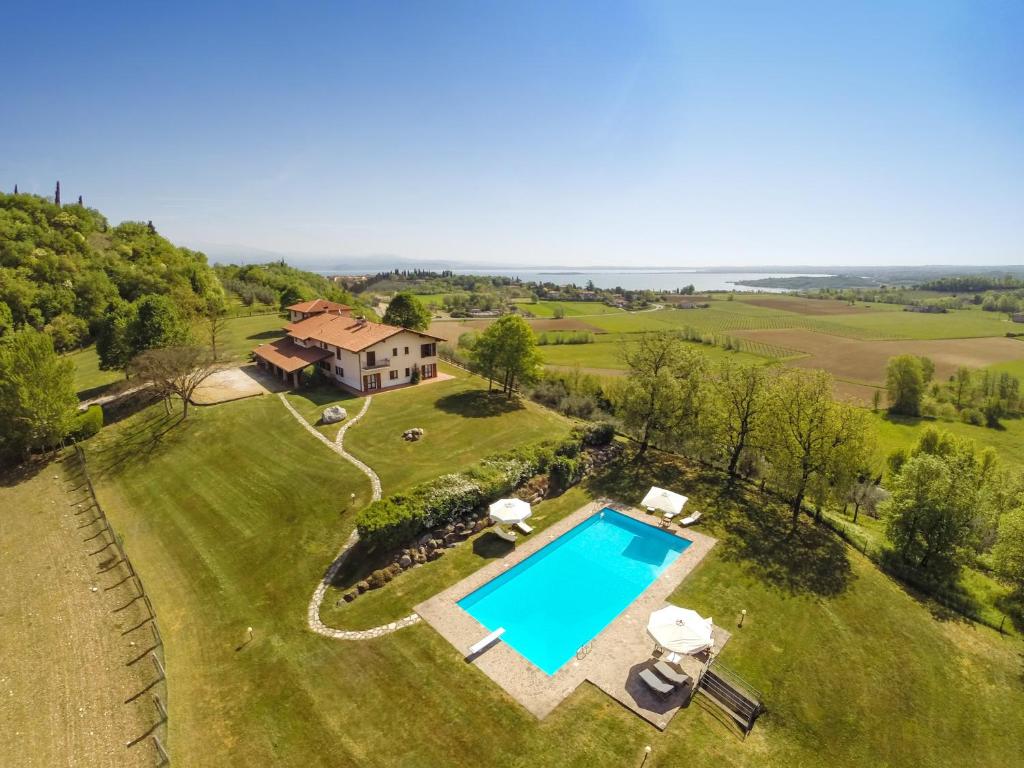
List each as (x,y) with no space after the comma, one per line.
(478,646)
(655,684)
(671,675)
(690,520)
(522,526)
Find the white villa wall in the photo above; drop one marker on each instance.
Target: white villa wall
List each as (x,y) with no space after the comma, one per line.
(354,366)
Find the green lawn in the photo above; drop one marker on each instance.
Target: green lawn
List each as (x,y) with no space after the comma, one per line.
(242,334)
(900,432)
(310,402)
(1014,367)
(725,317)
(605,352)
(89,379)
(462,424)
(437,298)
(232,516)
(569,308)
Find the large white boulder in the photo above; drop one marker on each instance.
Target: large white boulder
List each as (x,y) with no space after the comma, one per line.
(334,414)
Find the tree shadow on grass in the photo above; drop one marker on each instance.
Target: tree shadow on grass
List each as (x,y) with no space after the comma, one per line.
(477,403)
(805,559)
(135,444)
(102,389)
(16,475)
(265,335)
(752,528)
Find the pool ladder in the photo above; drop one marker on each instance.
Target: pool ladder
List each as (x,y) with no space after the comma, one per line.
(583,651)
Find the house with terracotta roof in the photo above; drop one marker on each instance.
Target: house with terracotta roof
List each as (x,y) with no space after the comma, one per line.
(306,309)
(353,352)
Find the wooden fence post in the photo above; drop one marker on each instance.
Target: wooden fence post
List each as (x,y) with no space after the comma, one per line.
(165,759)
(160,708)
(158,665)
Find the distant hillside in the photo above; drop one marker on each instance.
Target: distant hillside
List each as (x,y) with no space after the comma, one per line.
(279,284)
(63,268)
(810,282)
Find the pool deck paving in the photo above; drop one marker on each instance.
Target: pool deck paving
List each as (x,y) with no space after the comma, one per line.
(612,660)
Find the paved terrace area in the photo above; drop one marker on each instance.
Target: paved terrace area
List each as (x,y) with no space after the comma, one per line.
(614,658)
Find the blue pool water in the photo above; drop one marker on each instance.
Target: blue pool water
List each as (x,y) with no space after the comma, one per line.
(563,595)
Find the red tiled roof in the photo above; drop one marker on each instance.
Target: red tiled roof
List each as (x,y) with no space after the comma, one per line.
(349,333)
(289,356)
(319,305)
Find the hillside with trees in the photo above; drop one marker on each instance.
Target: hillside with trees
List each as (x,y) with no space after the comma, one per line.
(63,268)
(278,284)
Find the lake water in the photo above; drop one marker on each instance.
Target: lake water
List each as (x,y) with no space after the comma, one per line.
(641,279)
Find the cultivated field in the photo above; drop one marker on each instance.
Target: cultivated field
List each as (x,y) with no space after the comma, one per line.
(865,363)
(606,353)
(570,308)
(802,306)
(452,329)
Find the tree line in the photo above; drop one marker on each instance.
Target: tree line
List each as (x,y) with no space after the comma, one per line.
(979,397)
(62,269)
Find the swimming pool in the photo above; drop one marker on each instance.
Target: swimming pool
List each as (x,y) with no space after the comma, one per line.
(558,599)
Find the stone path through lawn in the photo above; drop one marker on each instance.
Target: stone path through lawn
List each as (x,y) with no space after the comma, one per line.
(313,612)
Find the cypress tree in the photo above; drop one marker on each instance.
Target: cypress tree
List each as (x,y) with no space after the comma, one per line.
(80,200)
(15,189)
(56,196)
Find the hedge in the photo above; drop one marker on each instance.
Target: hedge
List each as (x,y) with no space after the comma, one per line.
(395,520)
(88,423)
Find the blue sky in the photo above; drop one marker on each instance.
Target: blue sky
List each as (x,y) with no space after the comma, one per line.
(683,134)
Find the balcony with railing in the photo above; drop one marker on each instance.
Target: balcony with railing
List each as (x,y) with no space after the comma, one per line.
(380,362)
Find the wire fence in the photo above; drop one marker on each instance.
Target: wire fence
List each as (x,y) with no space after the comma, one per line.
(888,563)
(141,633)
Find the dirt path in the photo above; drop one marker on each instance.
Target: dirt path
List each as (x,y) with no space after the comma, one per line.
(64,672)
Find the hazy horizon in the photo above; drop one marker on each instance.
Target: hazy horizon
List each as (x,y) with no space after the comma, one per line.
(577,135)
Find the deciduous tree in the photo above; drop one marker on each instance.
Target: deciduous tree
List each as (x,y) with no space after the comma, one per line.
(406,311)
(175,370)
(1008,552)
(129,329)
(813,443)
(737,402)
(660,400)
(507,349)
(37,394)
(905,382)
(216,320)
(938,499)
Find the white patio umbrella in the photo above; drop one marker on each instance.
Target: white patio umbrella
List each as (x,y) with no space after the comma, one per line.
(510,511)
(667,501)
(680,629)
